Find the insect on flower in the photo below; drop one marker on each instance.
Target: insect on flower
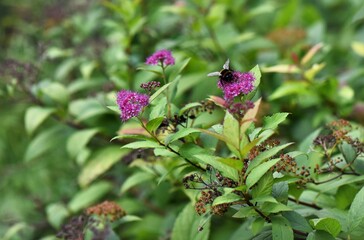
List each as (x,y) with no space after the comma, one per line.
(225,75)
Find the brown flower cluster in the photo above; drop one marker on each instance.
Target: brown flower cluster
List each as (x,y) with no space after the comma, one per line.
(111,210)
(266,145)
(73,230)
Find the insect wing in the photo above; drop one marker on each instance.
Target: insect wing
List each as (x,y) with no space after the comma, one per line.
(214,74)
(226,65)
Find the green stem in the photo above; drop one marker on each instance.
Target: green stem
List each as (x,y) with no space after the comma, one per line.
(166,93)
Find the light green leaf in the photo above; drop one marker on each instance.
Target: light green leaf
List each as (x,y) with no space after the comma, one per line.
(114,109)
(89,196)
(281,228)
(272,122)
(257,75)
(102,160)
(56,214)
(329,225)
(264,156)
(231,131)
(297,221)
(264,186)
(259,171)
(158,92)
(56,91)
(180,134)
(42,143)
(143,144)
(245,212)
(345,196)
(79,140)
(153,124)
(348,152)
(272,207)
(35,116)
(187,226)
(214,161)
(86,108)
(188,106)
(289,88)
(228,198)
(358,48)
(136,179)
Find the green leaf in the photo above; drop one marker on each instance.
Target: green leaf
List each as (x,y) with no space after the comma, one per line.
(329,225)
(56,91)
(356,215)
(188,106)
(348,152)
(228,198)
(153,124)
(257,225)
(78,141)
(56,214)
(158,92)
(143,144)
(297,221)
(289,88)
(214,161)
(259,171)
(250,116)
(180,134)
(281,228)
(234,163)
(136,179)
(345,196)
(272,122)
(358,48)
(257,75)
(272,207)
(264,186)
(187,225)
(231,131)
(102,160)
(35,116)
(42,143)
(86,108)
(89,196)
(319,235)
(114,109)
(264,156)
(182,67)
(280,191)
(245,212)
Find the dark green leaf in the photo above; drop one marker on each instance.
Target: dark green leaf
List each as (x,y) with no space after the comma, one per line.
(245,212)
(319,235)
(345,196)
(297,221)
(356,215)
(153,124)
(280,191)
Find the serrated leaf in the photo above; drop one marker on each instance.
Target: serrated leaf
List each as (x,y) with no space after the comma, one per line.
(259,171)
(79,140)
(329,225)
(281,228)
(187,225)
(136,179)
(35,116)
(180,134)
(264,156)
(272,122)
(159,91)
(297,221)
(89,196)
(228,198)
(264,186)
(102,160)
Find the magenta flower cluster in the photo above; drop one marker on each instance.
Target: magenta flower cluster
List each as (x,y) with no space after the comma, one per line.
(162,56)
(131,103)
(242,84)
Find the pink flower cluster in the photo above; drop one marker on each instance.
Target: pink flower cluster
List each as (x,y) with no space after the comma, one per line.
(131,103)
(162,56)
(242,84)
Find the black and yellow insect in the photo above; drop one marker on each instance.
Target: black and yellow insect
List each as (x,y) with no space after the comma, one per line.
(225,75)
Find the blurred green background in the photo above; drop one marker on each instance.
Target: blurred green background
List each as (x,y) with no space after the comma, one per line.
(61,63)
